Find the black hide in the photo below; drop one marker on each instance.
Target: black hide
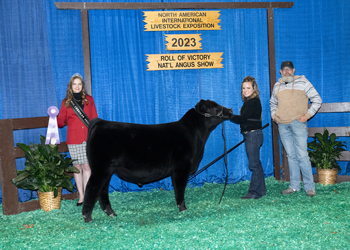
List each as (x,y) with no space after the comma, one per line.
(147,153)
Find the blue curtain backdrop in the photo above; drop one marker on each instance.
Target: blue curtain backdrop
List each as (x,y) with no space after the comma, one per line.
(41,48)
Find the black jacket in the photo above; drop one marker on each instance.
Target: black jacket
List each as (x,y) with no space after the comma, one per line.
(250,115)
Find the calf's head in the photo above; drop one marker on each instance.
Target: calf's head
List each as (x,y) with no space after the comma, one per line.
(210,108)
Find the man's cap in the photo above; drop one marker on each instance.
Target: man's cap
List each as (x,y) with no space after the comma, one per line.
(288,64)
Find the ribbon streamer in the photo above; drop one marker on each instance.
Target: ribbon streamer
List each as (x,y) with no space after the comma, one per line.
(52,136)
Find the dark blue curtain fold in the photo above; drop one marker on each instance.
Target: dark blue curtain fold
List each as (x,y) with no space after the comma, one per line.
(41,48)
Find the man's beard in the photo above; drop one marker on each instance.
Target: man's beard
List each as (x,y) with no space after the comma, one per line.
(287,78)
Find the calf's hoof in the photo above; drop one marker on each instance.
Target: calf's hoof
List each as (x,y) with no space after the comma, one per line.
(112,215)
(87,219)
(182,207)
(110,212)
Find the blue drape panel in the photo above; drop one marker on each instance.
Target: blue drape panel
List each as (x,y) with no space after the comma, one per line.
(41,48)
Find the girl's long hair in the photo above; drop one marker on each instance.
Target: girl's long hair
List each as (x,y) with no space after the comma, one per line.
(69,95)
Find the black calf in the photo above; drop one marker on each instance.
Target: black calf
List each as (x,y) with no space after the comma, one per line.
(143,154)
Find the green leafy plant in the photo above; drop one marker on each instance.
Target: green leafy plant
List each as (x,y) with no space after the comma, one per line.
(325,150)
(45,168)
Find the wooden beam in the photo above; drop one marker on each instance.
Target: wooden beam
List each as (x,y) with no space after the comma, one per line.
(86,50)
(28,123)
(272,73)
(345,156)
(339,131)
(9,191)
(343,178)
(285,165)
(335,107)
(172,5)
(18,152)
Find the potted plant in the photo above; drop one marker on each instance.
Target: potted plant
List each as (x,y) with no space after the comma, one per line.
(45,171)
(324,151)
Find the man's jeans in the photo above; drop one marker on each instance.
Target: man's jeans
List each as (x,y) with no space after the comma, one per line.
(253,142)
(294,139)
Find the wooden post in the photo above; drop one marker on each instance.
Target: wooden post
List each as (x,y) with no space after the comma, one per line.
(86,50)
(272,71)
(7,153)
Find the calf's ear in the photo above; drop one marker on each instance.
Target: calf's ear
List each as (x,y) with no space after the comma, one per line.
(202,108)
(198,105)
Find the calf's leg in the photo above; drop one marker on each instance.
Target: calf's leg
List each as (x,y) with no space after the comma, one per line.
(93,190)
(104,199)
(179,180)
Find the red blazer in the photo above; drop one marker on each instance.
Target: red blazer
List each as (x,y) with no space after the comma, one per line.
(76,130)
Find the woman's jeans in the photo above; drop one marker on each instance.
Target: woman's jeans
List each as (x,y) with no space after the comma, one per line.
(294,139)
(253,141)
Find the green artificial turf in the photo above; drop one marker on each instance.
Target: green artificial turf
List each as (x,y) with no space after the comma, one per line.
(151,220)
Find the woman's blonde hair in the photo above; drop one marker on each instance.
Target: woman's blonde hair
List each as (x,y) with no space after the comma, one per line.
(255,88)
(69,95)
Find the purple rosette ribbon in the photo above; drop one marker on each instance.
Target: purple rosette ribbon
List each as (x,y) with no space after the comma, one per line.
(52,136)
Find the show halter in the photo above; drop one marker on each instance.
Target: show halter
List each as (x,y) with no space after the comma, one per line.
(220,114)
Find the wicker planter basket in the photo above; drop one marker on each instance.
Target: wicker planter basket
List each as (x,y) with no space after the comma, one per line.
(48,202)
(327,176)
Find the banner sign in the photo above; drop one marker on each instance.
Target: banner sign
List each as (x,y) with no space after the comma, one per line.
(184,61)
(183,42)
(181,20)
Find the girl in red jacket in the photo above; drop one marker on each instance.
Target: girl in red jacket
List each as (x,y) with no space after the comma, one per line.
(76,130)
